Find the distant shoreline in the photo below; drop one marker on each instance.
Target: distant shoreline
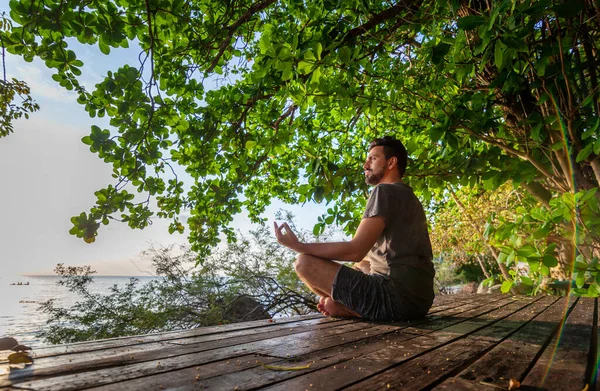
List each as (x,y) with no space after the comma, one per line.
(93,275)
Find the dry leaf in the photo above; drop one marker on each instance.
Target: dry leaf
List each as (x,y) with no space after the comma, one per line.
(20,348)
(20,358)
(284,368)
(513,384)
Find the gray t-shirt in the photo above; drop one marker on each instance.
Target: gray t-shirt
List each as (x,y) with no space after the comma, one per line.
(403,251)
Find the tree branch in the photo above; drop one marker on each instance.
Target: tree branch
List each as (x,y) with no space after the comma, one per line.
(231,30)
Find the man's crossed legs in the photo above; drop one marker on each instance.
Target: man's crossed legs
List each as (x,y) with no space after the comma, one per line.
(319,274)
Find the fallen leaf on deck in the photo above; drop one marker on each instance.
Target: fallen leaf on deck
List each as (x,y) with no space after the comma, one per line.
(284,368)
(20,348)
(20,358)
(513,384)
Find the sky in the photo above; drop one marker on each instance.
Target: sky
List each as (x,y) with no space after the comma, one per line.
(47,175)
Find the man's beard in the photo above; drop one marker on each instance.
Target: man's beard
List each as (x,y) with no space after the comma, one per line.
(374,178)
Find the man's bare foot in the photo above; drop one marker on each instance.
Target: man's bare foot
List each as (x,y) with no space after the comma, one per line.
(321,305)
(333,308)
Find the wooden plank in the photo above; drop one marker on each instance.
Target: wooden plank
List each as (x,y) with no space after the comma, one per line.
(170,358)
(436,365)
(339,365)
(191,376)
(512,358)
(595,361)
(79,347)
(458,384)
(453,300)
(111,375)
(447,301)
(69,363)
(375,339)
(196,344)
(563,364)
(460,301)
(363,366)
(308,344)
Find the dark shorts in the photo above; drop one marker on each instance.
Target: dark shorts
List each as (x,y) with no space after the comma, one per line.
(372,296)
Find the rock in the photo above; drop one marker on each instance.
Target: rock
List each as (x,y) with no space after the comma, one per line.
(245,308)
(484,290)
(495,289)
(469,288)
(520,289)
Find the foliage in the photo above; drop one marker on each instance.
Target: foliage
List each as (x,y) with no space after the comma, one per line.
(471,270)
(451,272)
(10,90)
(183,297)
(459,224)
(482,93)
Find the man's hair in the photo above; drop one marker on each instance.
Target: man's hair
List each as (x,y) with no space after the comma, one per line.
(392,147)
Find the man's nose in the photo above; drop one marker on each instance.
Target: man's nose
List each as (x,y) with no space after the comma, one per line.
(365,165)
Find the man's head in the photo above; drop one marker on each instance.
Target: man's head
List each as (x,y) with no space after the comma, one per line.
(386,154)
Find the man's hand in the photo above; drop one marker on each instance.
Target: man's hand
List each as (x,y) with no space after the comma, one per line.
(287,237)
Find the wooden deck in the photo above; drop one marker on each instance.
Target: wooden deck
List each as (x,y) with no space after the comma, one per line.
(475,342)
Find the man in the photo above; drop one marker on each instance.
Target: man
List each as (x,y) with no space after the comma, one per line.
(393,275)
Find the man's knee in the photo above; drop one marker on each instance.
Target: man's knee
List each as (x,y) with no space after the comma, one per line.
(301,264)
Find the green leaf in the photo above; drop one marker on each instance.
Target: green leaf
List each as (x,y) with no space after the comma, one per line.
(580,280)
(104,48)
(318,50)
(305,67)
(506,285)
(526,280)
(309,55)
(527,250)
(287,73)
(345,55)
(549,261)
(318,229)
(498,55)
(439,52)
(471,22)
(318,194)
(584,153)
(514,43)
(568,9)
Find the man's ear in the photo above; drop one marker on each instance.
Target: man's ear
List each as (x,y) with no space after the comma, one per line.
(392,162)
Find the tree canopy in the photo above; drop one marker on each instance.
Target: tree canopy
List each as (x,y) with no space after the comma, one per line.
(482,93)
(11,91)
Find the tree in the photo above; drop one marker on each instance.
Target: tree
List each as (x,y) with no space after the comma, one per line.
(11,90)
(248,280)
(482,93)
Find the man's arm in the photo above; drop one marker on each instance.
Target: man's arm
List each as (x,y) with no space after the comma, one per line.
(355,250)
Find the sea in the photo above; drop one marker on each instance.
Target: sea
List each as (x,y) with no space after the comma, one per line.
(20,316)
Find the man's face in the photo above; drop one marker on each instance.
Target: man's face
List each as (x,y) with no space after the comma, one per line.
(375,166)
